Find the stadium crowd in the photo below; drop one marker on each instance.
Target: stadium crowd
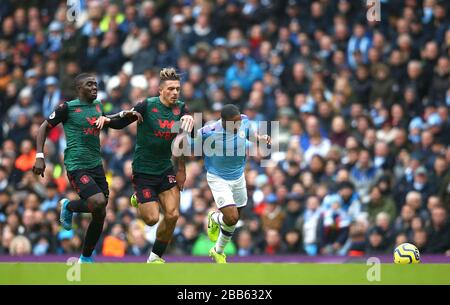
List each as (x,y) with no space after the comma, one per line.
(363,108)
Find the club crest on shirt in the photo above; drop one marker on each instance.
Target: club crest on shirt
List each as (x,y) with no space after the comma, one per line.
(242,134)
(220,201)
(52,116)
(84,179)
(98,109)
(176,110)
(147,193)
(172,179)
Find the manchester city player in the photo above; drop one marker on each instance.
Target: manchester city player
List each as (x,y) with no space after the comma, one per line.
(225,161)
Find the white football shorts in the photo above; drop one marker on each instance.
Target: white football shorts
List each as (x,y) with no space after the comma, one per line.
(228,192)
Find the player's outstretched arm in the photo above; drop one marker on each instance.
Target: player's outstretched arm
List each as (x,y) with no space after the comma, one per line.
(119,120)
(260,138)
(264,138)
(254,137)
(39,165)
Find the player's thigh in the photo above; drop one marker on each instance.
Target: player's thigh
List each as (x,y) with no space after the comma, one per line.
(84,184)
(145,188)
(170,203)
(98,174)
(167,181)
(169,194)
(239,190)
(221,190)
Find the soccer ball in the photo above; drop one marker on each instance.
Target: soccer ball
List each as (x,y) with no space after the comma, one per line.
(406,254)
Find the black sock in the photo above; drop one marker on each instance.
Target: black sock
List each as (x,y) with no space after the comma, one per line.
(159,247)
(78,206)
(92,236)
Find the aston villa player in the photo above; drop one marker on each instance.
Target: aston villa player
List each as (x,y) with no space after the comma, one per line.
(155,181)
(82,159)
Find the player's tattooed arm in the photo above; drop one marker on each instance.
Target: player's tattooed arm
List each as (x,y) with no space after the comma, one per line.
(181,171)
(123,118)
(57,116)
(178,154)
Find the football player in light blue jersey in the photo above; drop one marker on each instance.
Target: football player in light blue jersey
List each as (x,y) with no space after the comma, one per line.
(224,146)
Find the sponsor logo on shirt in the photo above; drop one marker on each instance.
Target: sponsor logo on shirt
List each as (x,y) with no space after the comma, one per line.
(166,135)
(93,130)
(91,120)
(166,124)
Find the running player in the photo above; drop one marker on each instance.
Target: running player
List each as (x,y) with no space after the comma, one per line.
(225,173)
(82,159)
(155,182)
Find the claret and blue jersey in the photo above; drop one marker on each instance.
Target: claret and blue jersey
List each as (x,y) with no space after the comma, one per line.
(225,152)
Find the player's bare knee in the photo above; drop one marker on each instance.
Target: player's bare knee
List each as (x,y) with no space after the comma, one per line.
(150,220)
(97,201)
(172,216)
(231,220)
(99,210)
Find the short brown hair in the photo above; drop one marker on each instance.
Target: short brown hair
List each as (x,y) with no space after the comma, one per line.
(168,74)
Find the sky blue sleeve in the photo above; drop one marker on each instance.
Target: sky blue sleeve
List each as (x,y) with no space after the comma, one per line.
(250,130)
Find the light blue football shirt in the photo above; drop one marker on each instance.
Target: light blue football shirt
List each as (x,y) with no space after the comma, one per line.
(225,152)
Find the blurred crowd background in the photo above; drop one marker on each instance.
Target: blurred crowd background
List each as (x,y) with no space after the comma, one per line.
(362,106)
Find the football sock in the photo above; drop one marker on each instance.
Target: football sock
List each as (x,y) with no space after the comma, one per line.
(93,233)
(218,218)
(78,206)
(226,232)
(158,249)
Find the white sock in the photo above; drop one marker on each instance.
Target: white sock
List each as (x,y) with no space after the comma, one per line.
(218,218)
(226,232)
(153,257)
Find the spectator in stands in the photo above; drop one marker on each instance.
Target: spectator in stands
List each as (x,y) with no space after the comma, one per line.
(438,231)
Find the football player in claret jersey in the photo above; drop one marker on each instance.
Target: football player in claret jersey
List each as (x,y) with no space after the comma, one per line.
(82,159)
(155,181)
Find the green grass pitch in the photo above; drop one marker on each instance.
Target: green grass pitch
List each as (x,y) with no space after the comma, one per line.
(232,274)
